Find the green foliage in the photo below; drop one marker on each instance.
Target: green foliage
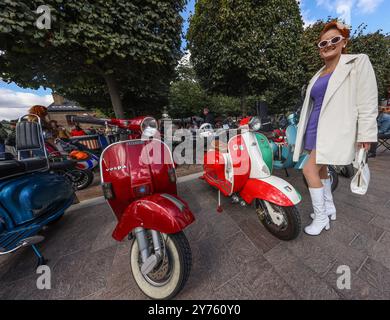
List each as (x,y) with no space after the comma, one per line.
(240,48)
(310,55)
(95,50)
(377,46)
(188,98)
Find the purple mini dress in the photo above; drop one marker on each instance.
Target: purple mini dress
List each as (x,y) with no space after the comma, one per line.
(317,94)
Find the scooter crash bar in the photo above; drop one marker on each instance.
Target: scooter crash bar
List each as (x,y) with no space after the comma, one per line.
(23,243)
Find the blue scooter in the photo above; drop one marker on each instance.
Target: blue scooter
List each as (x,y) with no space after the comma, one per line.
(32,194)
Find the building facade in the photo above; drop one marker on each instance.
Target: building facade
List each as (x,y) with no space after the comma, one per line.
(61,108)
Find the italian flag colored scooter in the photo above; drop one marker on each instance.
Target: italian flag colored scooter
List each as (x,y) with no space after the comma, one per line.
(242,170)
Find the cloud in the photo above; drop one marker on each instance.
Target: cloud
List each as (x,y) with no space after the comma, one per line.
(368,6)
(306,19)
(326,4)
(306,14)
(14,104)
(344,8)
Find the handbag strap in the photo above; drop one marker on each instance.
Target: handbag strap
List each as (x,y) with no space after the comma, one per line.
(362,156)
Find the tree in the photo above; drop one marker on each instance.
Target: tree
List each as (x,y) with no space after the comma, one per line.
(242,47)
(310,55)
(106,50)
(377,46)
(188,98)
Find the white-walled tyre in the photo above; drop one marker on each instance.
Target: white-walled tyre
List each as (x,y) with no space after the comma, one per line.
(170,275)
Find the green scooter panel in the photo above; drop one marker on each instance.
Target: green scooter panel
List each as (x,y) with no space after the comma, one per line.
(265,150)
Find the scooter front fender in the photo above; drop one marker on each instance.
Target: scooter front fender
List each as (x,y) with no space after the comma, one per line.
(272,189)
(161,212)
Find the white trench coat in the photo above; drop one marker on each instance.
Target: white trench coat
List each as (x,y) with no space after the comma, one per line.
(348,114)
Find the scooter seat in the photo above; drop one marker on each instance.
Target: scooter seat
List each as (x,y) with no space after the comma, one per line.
(10,168)
(62,165)
(34,164)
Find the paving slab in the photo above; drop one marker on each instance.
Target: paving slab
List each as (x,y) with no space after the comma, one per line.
(234,257)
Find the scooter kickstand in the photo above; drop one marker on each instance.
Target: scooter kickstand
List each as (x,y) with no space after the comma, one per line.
(219,208)
(41,260)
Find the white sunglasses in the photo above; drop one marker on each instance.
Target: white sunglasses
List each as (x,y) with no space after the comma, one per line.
(326,43)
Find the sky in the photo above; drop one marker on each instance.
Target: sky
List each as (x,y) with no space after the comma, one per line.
(14,101)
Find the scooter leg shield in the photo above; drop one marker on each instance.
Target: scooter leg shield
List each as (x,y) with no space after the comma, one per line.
(272,189)
(302,161)
(163,212)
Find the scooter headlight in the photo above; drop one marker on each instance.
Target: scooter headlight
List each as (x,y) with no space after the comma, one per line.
(149,127)
(254,124)
(149,123)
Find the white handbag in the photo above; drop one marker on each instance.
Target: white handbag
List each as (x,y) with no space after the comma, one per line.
(360,181)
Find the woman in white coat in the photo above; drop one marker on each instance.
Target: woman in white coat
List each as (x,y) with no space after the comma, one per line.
(338,115)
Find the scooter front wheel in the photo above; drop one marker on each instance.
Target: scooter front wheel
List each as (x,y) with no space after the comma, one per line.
(282,222)
(170,274)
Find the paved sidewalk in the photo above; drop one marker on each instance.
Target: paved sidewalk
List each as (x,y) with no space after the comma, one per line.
(234,257)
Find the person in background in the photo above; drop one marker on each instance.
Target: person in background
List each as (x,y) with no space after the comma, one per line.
(92,130)
(41,112)
(10,142)
(77,131)
(63,133)
(54,128)
(208,116)
(58,131)
(383,128)
(49,133)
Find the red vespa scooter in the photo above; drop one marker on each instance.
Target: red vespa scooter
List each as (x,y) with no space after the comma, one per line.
(139,183)
(242,170)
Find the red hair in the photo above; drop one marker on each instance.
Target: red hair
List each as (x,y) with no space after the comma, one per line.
(336,25)
(40,111)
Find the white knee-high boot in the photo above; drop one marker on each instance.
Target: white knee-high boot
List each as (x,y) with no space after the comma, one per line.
(321,219)
(329,204)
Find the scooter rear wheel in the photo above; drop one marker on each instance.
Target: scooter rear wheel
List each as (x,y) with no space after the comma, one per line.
(81,179)
(347,171)
(170,275)
(290,220)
